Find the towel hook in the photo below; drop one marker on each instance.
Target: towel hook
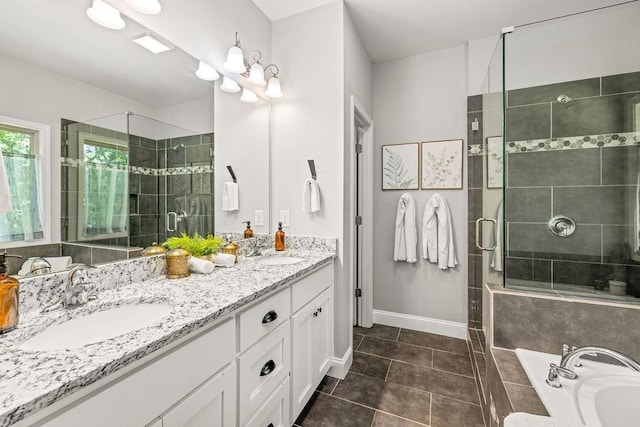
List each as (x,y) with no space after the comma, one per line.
(233,175)
(312,167)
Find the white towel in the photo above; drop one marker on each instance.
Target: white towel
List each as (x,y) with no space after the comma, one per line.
(522,419)
(223,260)
(496,256)
(311,196)
(202,266)
(437,233)
(5,194)
(406,239)
(230,196)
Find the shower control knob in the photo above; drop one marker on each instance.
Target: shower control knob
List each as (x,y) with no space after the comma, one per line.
(561,226)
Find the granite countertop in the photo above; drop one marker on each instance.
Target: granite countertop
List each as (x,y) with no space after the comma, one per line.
(32,380)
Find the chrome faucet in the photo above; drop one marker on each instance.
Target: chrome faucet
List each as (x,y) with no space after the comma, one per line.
(76,290)
(571,359)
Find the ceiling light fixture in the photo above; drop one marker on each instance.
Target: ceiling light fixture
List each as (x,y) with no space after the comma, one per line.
(105,15)
(152,43)
(207,72)
(229,86)
(148,7)
(248,96)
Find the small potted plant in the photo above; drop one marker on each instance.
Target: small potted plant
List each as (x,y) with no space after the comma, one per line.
(197,245)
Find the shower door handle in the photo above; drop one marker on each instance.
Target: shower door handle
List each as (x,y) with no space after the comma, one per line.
(479,221)
(175,221)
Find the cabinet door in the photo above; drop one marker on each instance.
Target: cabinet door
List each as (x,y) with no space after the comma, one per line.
(213,404)
(322,334)
(302,370)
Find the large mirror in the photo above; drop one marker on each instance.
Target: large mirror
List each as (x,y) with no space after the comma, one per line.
(124,138)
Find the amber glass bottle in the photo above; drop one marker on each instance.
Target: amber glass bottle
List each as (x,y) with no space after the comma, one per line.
(248,233)
(9,298)
(279,238)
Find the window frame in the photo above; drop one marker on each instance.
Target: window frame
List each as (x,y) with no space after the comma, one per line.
(41,148)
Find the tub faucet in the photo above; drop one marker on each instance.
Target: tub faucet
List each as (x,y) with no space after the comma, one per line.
(76,290)
(571,360)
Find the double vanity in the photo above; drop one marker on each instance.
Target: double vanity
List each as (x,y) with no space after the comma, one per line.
(243,346)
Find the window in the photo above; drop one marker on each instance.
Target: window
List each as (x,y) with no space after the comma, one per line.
(20,146)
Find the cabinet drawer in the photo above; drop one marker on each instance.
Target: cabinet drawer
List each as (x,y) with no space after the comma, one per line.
(262,368)
(143,394)
(307,288)
(263,318)
(275,411)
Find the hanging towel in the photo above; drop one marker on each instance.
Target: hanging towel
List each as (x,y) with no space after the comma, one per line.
(406,239)
(5,194)
(496,256)
(437,233)
(230,196)
(311,196)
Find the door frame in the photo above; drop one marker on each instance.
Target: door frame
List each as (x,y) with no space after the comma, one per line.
(359,117)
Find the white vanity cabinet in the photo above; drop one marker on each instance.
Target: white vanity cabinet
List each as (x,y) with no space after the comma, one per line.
(312,336)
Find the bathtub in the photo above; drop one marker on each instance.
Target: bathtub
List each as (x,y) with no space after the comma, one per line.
(604,395)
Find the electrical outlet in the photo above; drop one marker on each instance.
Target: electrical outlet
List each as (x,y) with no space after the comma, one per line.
(258,218)
(284,218)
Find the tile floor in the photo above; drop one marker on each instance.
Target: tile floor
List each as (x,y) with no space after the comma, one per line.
(399,378)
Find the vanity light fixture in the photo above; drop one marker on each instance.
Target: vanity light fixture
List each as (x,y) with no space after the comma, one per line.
(273,89)
(248,96)
(152,43)
(229,86)
(256,72)
(207,72)
(105,15)
(235,58)
(148,7)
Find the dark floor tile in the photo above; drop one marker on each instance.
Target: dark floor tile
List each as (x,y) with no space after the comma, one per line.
(449,413)
(378,331)
(389,397)
(525,399)
(438,342)
(357,339)
(327,384)
(327,411)
(509,367)
(386,420)
(446,384)
(397,351)
(475,340)
(451,362)
(372,366)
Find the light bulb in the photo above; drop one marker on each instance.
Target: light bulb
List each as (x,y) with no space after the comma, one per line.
(248,96)
(148,7)
(229,85)
(105,15)
(207,72)
(256,75)
(235,60)
(273,90)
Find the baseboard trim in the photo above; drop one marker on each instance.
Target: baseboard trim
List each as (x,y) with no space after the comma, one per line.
(341,365)
(424,324)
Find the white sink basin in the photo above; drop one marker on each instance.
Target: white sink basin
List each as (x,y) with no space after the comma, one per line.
(96,327)
(281,260)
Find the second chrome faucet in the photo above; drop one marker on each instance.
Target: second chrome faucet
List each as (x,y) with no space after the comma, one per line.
(76,289)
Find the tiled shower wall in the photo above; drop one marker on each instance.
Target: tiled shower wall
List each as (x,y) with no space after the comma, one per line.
(578,159)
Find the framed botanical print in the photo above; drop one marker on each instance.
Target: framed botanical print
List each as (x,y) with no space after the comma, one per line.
(400,170)
(495,162)
(442,165)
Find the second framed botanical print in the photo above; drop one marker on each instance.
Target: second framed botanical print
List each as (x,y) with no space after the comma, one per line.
(442,165)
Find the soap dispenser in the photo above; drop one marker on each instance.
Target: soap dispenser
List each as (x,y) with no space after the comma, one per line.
(9,296)
(279,238)
(248,233)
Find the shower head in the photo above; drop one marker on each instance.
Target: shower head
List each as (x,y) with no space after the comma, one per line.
(177,147)
(564,99)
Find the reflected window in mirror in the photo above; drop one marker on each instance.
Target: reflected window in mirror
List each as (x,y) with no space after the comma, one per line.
(23,145)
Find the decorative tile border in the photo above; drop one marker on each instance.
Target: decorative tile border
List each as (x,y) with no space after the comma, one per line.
(569,143)
(139,170)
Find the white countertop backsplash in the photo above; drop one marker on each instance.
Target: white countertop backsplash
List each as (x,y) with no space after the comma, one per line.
(30,380)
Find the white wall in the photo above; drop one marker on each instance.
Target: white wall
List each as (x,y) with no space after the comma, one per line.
(419,98)
(307,123)
(479,56)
